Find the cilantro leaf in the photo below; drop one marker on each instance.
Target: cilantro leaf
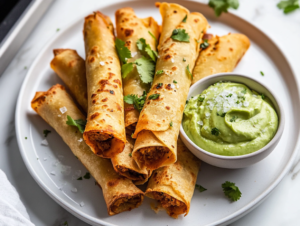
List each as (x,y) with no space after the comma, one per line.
(79,123)
(174,81)
(189,72)
(288,6)
(79,178)
(66,223)
(152,35)
(180,35)
(145,68)
(146,49)
(223,5)
(123,52)
(159,72)
(126,69)
(154,96)
(184,19)
(263,96)
(138,102)
(200,188)
(130,154)
(46,132)
(201,99)
(171,124)
(231,191)
(87,175)
(204,44)
(262,73)
(233,118)
(215,131)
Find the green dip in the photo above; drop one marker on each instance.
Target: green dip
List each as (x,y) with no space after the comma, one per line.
(230,119)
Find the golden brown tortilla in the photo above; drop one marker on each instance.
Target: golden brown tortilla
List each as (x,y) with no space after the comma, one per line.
(120,193)
(130,29)
(222,55)
(158,126)
(105,129)
(173,186)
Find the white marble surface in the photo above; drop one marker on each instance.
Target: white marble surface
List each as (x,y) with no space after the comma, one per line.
(281,207)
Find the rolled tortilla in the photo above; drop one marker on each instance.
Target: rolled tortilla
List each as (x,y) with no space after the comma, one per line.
(105,129)
(122,162)
(130,28)
(173,186)
(158,126)
(70,67)
(120,193)
(125,165)
(222,55)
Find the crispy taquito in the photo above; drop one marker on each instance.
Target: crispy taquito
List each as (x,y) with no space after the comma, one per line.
(105,129)
(120,193)
(70,67)
(159,121)
(130,29)
(173,186)
(222,55)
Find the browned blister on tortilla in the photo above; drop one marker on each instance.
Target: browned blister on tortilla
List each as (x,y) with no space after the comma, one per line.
(105,129)
(222,55)
(159,121)
(120,193)
(173,186)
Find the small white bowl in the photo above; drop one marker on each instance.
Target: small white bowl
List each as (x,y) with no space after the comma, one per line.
(241,161)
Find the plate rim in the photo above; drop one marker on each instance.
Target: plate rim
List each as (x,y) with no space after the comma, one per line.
(91,220)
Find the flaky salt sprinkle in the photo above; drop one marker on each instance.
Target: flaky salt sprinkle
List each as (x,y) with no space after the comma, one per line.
(82,204)
(200,123)
(133,54)
(52,173)
(74,190)
(172,60)
(44,142)
(102,63)
(63,110)
(80,140)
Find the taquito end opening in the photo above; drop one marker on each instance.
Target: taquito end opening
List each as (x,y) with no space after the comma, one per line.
(130,174)
(126,203)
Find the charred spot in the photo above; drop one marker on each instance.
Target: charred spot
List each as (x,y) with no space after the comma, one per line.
(174,68)
(110,58)
(54,92)
(172,146)
(159,86)
(122,29)
(117,81)
(113,183)
(93,95)
(167,57)
(128,43)
(91,59)
(133,24)
(72,63)
(111,110)
(94,50)
(167,107)
(168,87)
(128,32)
(109,69)
(196,20)
(119,108)
(104,100)
(103,82)
(93,116)
(231,49)
(148,102)
(175,11)
(94,101)
(110,75)
(111,92)
(115,86)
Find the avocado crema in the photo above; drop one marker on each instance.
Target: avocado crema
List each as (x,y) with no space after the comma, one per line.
(230,119)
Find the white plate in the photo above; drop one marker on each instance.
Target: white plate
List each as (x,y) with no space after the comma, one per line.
(207,208)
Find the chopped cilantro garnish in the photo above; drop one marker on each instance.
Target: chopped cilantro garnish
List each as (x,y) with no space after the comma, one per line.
(123,52)
(174,81)
(223,5)
(25,138)
(221,115)
(171,124)
(186,102)
(180,35)
(79,123)
(215,131)
(153,37)
(159,85)
(200,188)
(66,223)
(263,96)
(233,118)
(57,29)
(87,175)
(130,154)
(262,73)
(204,44)
(231,191)
(126,69)
(189,72)
(138,102)
(146,49)
(238,102)
(184,59)
(79,178)
(131,135)
(244,91)
(46,132)
(154,96)
(288,6)
(145,68)
(229,95)
(159,72)
(184,19)
(201,99)
(25,67)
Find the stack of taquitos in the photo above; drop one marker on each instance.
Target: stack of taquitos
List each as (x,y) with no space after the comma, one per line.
(158,126)
(105,129)
(120,193)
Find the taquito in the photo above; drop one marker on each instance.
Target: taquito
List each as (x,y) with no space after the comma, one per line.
(123,162)
(105,129)
(120,193)
(130,29)
(70,67)
(222,55)
(159,121)
(173,186)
